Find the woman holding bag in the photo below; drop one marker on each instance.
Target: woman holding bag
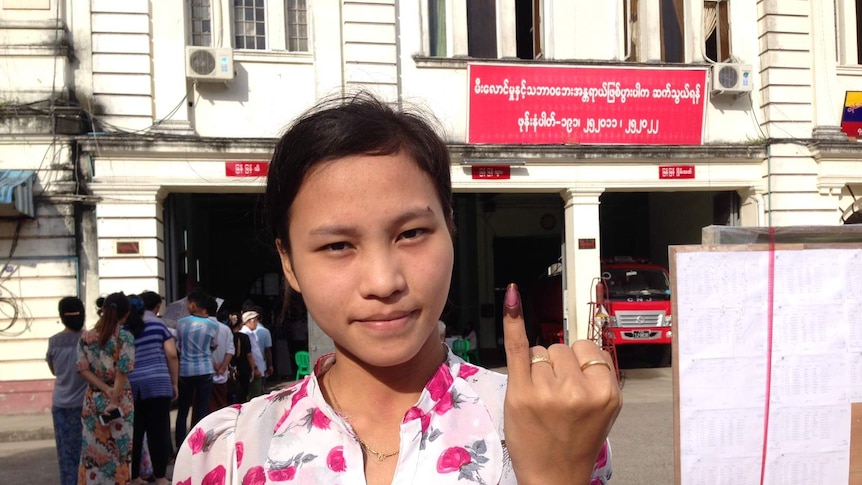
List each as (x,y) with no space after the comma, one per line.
(106,355)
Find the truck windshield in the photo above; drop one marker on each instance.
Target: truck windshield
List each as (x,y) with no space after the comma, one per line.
(634,282)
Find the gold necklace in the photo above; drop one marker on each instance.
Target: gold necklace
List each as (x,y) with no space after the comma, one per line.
(338,409)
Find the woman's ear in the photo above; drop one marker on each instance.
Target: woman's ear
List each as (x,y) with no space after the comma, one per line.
(287,266)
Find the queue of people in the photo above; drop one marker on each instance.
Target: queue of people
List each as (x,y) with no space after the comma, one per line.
(116,384)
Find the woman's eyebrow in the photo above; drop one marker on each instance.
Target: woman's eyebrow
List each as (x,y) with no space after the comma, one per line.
(348,230)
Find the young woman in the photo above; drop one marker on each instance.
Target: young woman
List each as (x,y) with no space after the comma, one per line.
(106,355)
(360,202)
(69,388)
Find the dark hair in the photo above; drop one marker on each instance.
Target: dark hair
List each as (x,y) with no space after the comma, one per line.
(211,306)
(238,320)
(135,323)
(151,300)
(72,313)
(199,298)
(345,126)
(114,308)
(99,302)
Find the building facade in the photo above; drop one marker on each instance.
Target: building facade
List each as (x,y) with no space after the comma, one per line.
(138,133)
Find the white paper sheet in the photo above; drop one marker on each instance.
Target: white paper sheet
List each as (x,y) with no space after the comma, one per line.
(722,302)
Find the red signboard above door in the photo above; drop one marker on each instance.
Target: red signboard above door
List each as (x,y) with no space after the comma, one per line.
(675,172)
(246,169)
(568,105)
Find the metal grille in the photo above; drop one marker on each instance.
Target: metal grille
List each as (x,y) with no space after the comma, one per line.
(639,319)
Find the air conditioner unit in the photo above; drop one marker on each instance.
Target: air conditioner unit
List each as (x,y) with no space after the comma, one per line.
(731,78)
(209,63)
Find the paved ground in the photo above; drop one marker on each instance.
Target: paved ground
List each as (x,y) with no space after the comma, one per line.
(641,440)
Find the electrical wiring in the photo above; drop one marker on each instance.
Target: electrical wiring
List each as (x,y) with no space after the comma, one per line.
(6,297)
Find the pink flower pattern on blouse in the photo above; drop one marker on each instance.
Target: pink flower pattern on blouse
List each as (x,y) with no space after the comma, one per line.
(452,435)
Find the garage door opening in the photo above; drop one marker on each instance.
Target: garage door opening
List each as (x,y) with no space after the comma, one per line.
(638,227)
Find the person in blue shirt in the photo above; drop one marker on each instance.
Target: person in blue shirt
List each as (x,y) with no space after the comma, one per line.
(196,335)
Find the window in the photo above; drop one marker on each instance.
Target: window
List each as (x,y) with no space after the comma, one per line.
(528,31)
(249,21)
(672,31)
(716,30)
(482,29)
(297,26)
(437,28)
(201,22)
(630,24)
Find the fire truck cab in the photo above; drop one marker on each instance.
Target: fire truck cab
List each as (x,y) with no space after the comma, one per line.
(633,302)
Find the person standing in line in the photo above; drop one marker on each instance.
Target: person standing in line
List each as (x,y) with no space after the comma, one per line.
(264,340)
(243,360)
(69,388)
(154,385)
(250,320)
(196,334)
(106,355)
(222,354)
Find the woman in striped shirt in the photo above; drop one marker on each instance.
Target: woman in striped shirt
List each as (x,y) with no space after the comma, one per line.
(154,384)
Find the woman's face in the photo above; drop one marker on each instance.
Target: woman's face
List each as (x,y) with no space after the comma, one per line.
(371,255)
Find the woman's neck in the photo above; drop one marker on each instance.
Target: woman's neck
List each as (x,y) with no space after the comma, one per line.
(361,388)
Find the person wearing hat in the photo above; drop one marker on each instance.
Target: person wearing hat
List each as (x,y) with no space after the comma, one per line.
(69,388)
(250,320)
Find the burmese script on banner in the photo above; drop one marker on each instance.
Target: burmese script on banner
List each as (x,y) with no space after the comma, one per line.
(568,105)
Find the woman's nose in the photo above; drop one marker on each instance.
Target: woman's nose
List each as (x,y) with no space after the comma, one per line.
(382,274)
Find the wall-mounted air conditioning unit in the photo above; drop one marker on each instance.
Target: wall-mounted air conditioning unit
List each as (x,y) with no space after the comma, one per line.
(731,78)
(209,63)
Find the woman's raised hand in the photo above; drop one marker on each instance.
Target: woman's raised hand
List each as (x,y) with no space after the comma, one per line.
(560,404)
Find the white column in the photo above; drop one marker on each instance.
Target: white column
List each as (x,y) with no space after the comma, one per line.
(327,45)
(595,24)
(127,217)
(582,265)
(507,44)
(649,30)
(456,11)
(752,207)
(562,37)
(169,73)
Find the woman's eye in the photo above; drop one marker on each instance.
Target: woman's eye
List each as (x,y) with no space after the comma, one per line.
(335,247)
(412,233)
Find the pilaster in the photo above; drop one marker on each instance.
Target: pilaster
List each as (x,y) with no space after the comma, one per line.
(130,238)
(580,265)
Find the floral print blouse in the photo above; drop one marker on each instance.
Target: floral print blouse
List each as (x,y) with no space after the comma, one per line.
(452,435)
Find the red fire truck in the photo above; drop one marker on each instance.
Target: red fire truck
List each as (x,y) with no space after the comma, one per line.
(633,303)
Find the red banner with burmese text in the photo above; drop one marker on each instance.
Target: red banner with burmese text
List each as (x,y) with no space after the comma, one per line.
(569,105)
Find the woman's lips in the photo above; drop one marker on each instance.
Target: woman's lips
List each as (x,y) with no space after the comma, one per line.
(387,322)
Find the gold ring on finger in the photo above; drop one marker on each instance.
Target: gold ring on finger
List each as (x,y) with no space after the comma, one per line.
(540,358)
(595,362)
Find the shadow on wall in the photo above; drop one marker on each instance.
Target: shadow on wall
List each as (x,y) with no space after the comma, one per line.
(236,89)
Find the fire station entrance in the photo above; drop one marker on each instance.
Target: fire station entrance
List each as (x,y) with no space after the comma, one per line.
(219,242)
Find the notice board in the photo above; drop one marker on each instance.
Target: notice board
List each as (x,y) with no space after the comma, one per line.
(767,363)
